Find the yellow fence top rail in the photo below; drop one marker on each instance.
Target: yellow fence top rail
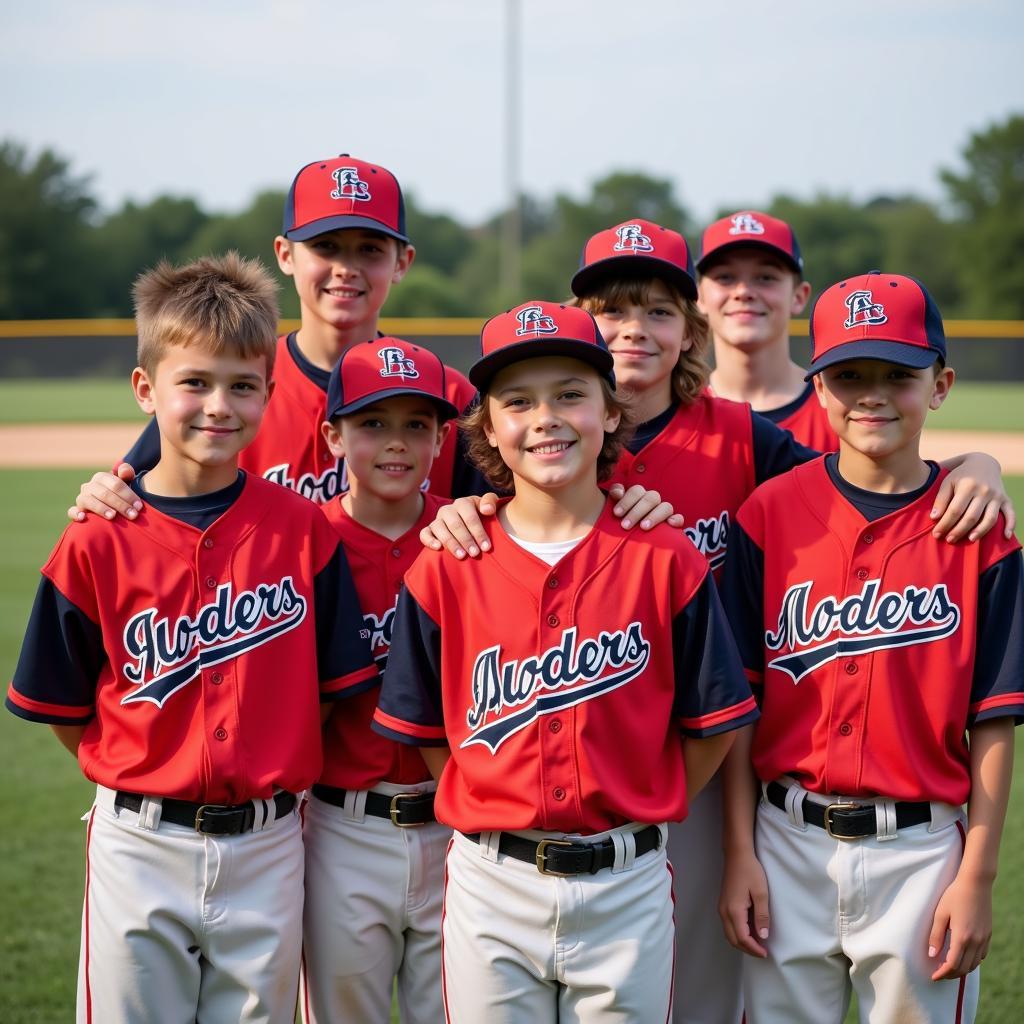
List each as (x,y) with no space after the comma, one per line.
(425,327)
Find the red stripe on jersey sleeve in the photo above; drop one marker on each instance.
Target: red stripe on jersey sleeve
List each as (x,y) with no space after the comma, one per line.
(348,685)
(1001,700)
(718,717)
(423,732)
(38,707)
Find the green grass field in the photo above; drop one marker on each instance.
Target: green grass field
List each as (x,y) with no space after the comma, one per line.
(43,796)
(971,406)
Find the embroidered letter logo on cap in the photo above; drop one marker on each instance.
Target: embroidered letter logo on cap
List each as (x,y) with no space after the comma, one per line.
(632,239)
(746,224)
(533,320)
(863,311)
(397,363)
(349,185)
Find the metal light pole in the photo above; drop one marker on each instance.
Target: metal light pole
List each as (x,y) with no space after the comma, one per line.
(511,227)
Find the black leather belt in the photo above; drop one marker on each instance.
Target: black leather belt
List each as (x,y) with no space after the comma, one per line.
(849,820)
(564,857)
(211,819)
(406,810)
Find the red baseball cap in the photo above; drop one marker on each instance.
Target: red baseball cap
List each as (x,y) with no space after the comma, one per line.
(537,329)
(343,193)
(750,227)
(637,246)
(876,316)
(383,368)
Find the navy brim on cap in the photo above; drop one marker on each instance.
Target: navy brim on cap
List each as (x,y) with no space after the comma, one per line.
(325,224)
(916,357)
(484,370)
(587,278)
(749,243)
(445,410)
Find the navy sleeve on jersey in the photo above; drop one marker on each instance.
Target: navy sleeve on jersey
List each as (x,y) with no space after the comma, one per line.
(411,692)
(709,676)
(342,639)
(145,453)
(775,449)
(743,597)
(60,662)
(999,652)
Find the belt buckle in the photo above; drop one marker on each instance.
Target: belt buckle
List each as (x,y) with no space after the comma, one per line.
(541,857)
(828,819)
(395,810)
(199,814)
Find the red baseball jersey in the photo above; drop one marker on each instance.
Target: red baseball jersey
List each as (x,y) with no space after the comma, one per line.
(290,449)
(703,463)
(196,659)
(806,419)
(867,637)
(562,690)
(356,757)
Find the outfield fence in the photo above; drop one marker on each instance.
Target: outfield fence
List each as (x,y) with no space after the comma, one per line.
(981,350)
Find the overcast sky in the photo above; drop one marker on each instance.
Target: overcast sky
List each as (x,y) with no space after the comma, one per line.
(732,101)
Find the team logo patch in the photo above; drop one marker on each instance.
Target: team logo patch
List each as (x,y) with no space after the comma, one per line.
(348,185)
(632,239)
(508,696)
(711,537)
(863,312)
(746,224)
(533,320)
(859,624)
(165,655)
(397,363)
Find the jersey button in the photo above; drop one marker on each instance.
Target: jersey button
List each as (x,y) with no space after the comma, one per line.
(640,468)
(845,729)
(553,582)
(558,793)
(210,582)
(869,538)
(216,678)
(555,725)
(327,456)
(221,734)
(851,668)
(862,574)
(552,620)
(397,552)
(207,543)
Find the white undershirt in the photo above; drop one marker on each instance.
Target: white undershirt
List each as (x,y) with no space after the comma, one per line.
(549,551)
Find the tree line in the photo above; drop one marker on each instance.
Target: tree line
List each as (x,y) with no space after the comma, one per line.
(62,256)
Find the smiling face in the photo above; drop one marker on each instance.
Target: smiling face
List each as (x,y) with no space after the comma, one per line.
(343,277)
(748,296)
(547,418)
(207,407)
(389,446)
(878,408)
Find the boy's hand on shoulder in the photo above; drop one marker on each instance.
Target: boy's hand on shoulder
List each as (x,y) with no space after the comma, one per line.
(458,527)
(965,912)
(743,903)
(970,499)
(638,505)
(107,495)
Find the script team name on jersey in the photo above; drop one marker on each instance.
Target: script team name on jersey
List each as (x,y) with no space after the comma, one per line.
(379,630)
(711,537)
(320,489)
(858,624)
(568,673)
(167,656)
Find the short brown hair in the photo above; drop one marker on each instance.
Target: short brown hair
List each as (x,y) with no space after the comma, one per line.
(489,461)
(225,304)
(690,376)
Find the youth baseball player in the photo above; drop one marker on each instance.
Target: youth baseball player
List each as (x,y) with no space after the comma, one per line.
(374,850)
(562,712)
(184,659)
(876,651)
